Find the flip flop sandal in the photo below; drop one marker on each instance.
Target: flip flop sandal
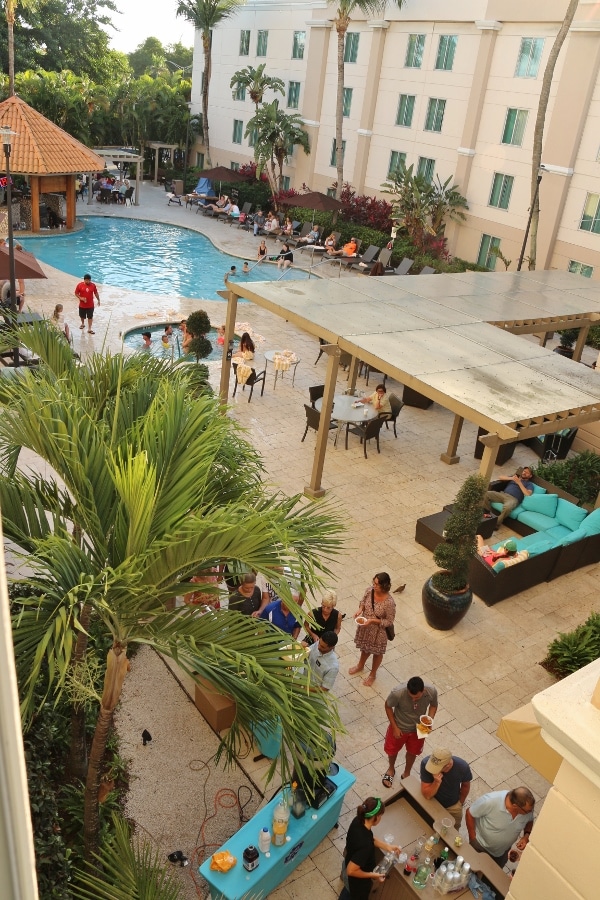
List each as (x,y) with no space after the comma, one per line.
(387,781)
(91,332)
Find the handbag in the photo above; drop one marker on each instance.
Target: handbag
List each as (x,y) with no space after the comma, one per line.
(389,629)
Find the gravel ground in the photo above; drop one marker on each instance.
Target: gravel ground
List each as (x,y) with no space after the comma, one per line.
(176,769)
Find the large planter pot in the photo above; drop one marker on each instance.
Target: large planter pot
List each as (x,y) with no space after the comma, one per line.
(565,351)
(444,611)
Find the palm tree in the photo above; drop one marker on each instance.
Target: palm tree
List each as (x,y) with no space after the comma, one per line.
(10,8)
(204,16)
(540,121)
(146,484)
(343,14)
(256,83)
(276,134)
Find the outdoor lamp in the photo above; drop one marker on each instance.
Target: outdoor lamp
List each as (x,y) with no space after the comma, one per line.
(7,136)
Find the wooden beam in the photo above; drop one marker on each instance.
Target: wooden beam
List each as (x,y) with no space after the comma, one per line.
(450,456)
(314,488)
(488,460)
(228,346)
(581,339)
(34,183)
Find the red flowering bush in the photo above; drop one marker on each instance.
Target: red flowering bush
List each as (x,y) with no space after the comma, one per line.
(364,210)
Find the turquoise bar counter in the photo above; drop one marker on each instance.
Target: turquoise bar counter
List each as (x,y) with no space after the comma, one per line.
(304,835)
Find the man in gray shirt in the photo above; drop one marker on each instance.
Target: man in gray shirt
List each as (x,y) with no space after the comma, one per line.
(404,707)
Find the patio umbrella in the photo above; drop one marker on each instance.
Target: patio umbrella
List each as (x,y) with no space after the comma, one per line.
(26,265)
(314,200)
(222,173)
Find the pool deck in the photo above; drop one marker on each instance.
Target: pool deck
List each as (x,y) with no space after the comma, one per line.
(486,667)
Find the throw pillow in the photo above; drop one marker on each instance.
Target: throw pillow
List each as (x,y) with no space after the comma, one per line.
(541,503)
(569,515)
(537,489)
(591,523)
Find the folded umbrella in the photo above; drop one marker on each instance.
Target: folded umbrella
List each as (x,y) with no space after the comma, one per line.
(26,265)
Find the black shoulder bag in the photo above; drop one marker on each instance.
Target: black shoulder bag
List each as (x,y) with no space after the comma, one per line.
(389,629)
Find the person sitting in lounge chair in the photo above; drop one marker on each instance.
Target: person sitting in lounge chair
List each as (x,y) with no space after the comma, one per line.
(313,236)
(348,249)
(222,204)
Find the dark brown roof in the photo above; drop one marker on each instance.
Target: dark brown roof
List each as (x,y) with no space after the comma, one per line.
(40,147)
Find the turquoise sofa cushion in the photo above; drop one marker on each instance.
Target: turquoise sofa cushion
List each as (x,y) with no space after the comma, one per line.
(540,545)
(537,489)
(575,536)
(535,520)
(569,515)
(558,533)
(591,523)
(541,503)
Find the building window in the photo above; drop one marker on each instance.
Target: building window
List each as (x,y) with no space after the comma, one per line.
(285,183)
(238,130)
(240,92)
(446,51)
(397,162)
(502,186)
(530,54)
(406,107)
(414,51)
(199,160)
(347,104)
(590,220)
(298,45)
(244,43)
(293,94)
(351,46)
(426,168)
(514,126)
(435,114)
(333,161)
(234,166)
(486,258)
(330,192)
(252,137)
(580,269)
(262,40)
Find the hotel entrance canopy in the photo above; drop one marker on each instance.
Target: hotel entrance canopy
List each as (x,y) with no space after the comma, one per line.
(454,339)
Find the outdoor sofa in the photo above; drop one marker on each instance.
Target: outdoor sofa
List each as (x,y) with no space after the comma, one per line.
(558,535)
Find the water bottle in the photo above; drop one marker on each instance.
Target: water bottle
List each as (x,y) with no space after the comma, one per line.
(264,840)
(439,876)
(429,844)
(422,874)
(365,412)
(281,817)
(459,863)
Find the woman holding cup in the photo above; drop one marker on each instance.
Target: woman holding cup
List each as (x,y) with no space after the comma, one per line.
(376,613)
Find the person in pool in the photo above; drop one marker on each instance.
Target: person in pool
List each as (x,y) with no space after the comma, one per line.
(245,268)
(147,340)
(262,251)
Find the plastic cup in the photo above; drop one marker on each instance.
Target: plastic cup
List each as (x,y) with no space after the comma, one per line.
(447,824)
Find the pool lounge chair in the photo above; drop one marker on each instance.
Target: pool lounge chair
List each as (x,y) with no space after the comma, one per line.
(367,258)
(293,240)
(402,268)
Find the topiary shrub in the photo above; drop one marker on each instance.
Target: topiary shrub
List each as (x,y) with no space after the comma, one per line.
(198,323)
(454,553)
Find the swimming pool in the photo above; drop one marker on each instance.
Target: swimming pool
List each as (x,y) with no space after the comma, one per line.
(132,340)
(147,256)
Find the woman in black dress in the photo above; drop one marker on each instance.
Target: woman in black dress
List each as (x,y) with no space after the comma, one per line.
(359,855)
(326,616)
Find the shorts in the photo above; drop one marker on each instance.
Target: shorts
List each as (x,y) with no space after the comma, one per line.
(408,739)
(86,312)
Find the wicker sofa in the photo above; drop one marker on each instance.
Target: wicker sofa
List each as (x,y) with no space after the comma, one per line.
(558,535)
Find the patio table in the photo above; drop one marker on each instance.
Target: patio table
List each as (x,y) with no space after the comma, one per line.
(346,413)
(270,358)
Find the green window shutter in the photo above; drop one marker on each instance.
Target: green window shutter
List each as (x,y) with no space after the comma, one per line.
(502,186)
(351,46)
(486,259)
(298,45)
(406,106)
(262,41)
(293,94)
(244,43)
(347,104)
(332,160)
(426,168)
(397,162)
(435,114)
(238,131)
(580,269)
(240,93)
(446,51)
(514,126)
(530,55)
(414,51)
(590,220)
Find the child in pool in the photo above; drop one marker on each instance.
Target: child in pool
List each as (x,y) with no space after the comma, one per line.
(221,335)
(245,268)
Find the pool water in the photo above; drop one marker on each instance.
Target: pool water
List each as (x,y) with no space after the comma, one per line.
(147,256)
(132,340)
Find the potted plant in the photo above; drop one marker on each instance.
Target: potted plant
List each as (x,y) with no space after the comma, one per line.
(446,595)
(567,339)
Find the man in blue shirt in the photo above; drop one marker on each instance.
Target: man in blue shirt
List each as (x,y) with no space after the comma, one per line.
(517,487)
(448,779)
(277,613)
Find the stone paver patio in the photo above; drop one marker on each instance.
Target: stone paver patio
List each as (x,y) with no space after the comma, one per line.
(486,667)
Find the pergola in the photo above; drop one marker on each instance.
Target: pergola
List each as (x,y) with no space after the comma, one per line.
(157,146)
(452,339)
(118,155)
(49,156)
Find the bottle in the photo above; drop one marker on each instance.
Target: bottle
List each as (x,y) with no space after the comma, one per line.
(410,865)
(439,876)
(365,412)
(281,817)
(445,853)
(422,874)
(459,863)
(429,844)
(250,858)
(264,840)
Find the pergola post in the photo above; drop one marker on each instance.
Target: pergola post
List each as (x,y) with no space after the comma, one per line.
(450,456)
(71,201)
(581,339)
(139,176)
(90,193)
(488,460)
(314,489)
(353,374)
(232,301)
(34,184)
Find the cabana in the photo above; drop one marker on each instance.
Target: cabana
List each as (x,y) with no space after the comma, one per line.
(452,339)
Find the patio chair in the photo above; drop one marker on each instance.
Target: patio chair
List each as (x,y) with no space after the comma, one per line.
(366,433)
(367,370)
(313,418)
(396,404)
(245,219)
(105,195)
(427,270)
(293,240)
(254,379)
(364,261)
(315,393)
(384,258)
(402,268)
(129,195)
(174,197)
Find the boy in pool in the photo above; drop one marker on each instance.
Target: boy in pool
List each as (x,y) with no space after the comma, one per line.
(245,268)
(230,274)
(147,339)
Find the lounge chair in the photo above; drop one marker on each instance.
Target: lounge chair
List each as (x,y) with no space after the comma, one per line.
(384,258)
(402,268)
(174,198)
(366,259)
(244,219)
(293,240)
(344,259)
(427,270)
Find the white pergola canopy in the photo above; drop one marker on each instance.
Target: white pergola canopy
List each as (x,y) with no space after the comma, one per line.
(452,338)
(120,155)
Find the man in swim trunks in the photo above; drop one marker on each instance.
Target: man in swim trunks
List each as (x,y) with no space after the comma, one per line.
(85,292)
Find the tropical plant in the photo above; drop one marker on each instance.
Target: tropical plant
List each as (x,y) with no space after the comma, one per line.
(575,649)
(579,475)
(446,203)
(256,83)
(131,869)
(343,15)
(454,553)
(9,11)
(276,134)
(145,484)
(540,121)
(205,16)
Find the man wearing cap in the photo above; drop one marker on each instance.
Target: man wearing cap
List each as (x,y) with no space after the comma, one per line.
(448,779)
(404,707)
(517,488)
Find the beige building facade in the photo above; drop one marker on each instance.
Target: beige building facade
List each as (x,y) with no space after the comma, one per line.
(455,96)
